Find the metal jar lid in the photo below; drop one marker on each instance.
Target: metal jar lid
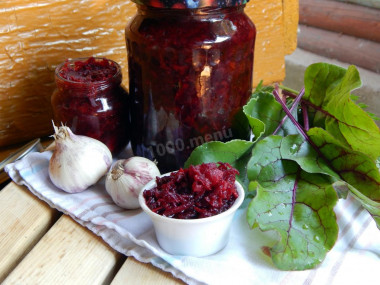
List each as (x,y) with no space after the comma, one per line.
(190,4)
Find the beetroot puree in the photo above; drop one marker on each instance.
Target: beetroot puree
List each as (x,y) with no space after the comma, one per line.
(190,73)
(196,192)
(91,70)
(90,100)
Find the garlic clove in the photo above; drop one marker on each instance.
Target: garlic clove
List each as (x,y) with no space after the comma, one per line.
(127,178)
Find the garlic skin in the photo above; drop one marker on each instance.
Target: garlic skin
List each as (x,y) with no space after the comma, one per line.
(127,178)
(77,161)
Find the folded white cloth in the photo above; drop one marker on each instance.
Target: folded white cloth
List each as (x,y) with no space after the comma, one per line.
(353,260)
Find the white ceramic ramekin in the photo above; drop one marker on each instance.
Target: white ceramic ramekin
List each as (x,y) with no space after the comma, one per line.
(193,237)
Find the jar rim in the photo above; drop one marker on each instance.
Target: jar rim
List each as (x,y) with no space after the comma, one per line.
(191,4)
(100,82)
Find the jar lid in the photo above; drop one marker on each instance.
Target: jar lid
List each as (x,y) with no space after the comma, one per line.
(190,4)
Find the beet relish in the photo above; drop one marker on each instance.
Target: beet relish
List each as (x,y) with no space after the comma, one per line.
(196,192)
(190,72)
(90,70)
(90,100)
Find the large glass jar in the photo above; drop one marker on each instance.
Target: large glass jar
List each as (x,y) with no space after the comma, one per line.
(90,100)
(190,72)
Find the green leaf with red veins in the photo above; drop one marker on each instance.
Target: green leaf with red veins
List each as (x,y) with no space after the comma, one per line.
(257,125)
(264,114)
(328,95)
(294,147)
(355,168)
(296,204)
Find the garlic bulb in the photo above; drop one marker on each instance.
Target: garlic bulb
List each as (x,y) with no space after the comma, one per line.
(127,178)
(77,161)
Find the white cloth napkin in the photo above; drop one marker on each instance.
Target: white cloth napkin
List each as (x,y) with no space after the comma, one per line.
(355,258)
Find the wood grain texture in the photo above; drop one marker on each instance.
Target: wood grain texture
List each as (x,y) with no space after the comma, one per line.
(67,254)
(352,50)
(269,61)
(290,18)
(24,219)
(135,272)
(35,36)
(354,20)
(368,3)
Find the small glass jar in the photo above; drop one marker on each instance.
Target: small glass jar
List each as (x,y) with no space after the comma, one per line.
(90,100)
(190,72)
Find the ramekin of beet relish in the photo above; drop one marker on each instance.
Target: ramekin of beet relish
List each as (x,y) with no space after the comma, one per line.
(192,209)
(190,72)
(90,100)
(196,192)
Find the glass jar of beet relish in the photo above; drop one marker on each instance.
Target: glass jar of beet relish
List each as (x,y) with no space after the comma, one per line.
(90,100)
(190,72)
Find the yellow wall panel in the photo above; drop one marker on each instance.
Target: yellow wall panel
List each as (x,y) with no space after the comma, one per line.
(269,62)
(291,17)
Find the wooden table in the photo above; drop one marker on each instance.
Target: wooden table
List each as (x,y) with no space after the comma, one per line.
(40,245)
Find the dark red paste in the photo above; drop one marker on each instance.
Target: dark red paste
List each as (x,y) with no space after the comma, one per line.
(196,192)
(90,70)
(90,100)
(190,72)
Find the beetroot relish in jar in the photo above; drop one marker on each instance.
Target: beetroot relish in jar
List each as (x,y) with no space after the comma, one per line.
(190,72)
(199,191)
(90,100)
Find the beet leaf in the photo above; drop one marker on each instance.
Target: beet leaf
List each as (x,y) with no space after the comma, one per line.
(296,204)
(328,92)
(358,170)
(264,115)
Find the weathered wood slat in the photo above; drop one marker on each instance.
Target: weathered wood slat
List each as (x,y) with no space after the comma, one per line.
(67,254)
(270,53)
(24,219)
(135,272)
(349,19)
(368,3)
(360,52)
(290,20)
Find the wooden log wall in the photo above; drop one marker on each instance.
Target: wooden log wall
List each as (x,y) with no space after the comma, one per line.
(344,31)
(353,50)
(368,3)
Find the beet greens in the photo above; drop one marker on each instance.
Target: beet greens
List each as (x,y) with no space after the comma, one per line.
(308,150)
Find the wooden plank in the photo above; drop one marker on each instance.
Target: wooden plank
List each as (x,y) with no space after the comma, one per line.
(135,272)
(279,32)
(349,19)
(290,20)
(269,62)
(24,219)
(67,254)
(368,3)
(345,48)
